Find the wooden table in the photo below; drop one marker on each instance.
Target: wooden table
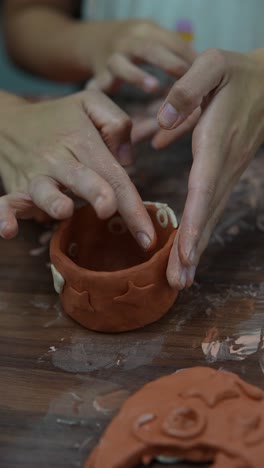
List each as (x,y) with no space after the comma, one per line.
(61,384)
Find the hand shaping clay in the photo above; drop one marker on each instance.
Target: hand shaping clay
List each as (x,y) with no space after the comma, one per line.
(105,280)
(197,415)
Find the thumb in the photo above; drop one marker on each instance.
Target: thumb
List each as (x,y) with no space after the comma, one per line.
(206,73)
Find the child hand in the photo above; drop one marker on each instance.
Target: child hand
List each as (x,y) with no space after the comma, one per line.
(122,45)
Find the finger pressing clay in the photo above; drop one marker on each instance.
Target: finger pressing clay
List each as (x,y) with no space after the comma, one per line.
(196,415)
(106,281)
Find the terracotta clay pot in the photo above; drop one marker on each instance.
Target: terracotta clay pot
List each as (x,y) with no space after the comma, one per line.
(105,280)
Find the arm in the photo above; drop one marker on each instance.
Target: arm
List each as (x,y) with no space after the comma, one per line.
(44,37)
(38,37)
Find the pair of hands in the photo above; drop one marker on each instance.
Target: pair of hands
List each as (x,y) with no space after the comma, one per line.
(78,143)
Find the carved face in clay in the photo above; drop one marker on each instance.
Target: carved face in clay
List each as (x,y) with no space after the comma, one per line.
(198,415)
(106,281)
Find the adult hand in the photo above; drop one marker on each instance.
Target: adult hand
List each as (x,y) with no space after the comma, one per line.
(74,143)
(222,96)
(122,45)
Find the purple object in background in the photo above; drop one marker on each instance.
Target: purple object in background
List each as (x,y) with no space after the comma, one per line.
(184,27)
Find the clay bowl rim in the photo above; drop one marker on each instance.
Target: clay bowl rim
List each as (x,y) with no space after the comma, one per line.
(70,265)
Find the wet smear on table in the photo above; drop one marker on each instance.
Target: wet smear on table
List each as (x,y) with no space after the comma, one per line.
(107,352)
(244,337)
(59,319)
(232,348)
(36,252)
(42,302)
(111,402)
(43,240)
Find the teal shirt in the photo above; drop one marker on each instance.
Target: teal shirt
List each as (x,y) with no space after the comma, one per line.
(225,24)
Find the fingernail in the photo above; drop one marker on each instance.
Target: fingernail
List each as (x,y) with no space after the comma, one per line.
(183,277)
(125,155)
(168,116)
(3,225)
(191,274)
(150,83)
(143,239)
(99,202)
(56,208)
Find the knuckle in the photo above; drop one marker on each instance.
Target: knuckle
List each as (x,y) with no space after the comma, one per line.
(73,175)
(142,26)
(48,159)
(217,57)
(106,192)
(181,68)
(92,93)
(34,183)
(119,184)
(121,124)
(183,96)
(147,49)
(113,60)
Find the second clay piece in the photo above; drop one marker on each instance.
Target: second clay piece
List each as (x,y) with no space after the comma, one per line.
(196,415)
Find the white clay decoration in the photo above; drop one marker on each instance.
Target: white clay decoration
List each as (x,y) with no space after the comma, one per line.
(164,214)
(58,280)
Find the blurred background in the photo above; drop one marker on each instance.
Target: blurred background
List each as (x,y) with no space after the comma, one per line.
(18,81)
(225,24)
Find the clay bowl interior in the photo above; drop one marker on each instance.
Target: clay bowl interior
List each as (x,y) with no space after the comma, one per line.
(107,246)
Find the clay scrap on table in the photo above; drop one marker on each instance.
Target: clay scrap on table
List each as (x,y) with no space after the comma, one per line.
(105,280)
(196,415)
